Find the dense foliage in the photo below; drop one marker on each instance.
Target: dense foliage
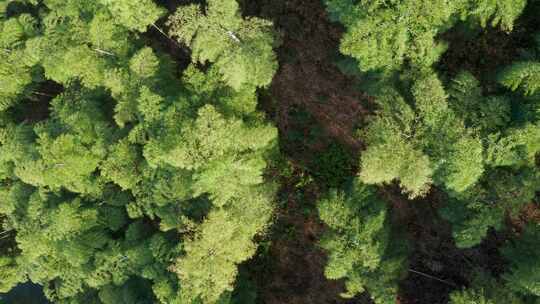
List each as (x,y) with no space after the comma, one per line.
(520,285)
(240,48)
(138,163)
(361,245)
(478,147)
(474,139)
(384,35)
(137,185)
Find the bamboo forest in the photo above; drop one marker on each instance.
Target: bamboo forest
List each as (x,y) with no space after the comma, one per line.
(270,151)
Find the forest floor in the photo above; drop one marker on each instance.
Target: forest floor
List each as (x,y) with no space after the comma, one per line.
(316,109)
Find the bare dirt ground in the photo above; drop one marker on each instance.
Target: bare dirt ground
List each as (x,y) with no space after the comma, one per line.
(315,108)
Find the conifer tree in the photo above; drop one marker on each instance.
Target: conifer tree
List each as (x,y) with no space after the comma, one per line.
(485,290)
(68,147)
(209,268)
(524,73)
(524,275)
(17,70)
(420,146)
(241,48)
(509,151)
(383,36)
(460,140)
(134,15)
(360,244)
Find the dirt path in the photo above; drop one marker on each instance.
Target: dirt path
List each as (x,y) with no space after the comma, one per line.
(307,77)
(316,108)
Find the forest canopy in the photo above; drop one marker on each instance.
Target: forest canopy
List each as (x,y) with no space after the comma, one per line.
(115,189)
(189,152)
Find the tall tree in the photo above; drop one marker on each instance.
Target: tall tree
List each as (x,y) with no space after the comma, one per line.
(523,276)
(510,146)
(18,73)
(384,35)
(421,145)
(241,48)
(360,244)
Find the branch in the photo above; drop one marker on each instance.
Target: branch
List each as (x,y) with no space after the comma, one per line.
(433,278)
(104,52)
(164,34)
(233,37)
(42,94)
(6,231)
